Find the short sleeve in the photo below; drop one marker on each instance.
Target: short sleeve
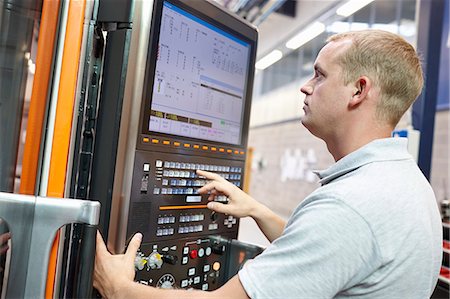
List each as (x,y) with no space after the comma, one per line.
(326,247)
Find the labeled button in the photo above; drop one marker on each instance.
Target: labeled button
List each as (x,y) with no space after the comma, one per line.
(196,279)
(206,268)
(201,252)
(216,266)
(191,271)
(184,283)
(185,250)
(185,260)
(205,287)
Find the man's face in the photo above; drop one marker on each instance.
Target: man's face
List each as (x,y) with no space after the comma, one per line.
(326,94)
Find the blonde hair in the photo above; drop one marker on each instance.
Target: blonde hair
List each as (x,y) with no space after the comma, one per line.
(390,61)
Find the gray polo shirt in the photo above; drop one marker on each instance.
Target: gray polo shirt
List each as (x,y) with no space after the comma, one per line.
(372,230)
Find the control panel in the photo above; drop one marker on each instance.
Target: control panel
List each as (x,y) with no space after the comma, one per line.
(185,245)
(198,263)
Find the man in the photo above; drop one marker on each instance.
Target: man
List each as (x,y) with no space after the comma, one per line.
(372,230)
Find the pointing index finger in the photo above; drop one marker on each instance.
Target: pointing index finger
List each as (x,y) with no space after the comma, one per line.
(209,175)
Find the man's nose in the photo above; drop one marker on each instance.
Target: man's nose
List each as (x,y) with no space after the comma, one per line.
(306,89)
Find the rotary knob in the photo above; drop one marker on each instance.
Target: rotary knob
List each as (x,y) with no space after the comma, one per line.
(154,260)
(140,261)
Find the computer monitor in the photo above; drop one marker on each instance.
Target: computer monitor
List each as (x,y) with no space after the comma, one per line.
(199,74)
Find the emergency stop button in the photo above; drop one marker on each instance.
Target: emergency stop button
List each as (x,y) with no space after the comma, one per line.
(193,254)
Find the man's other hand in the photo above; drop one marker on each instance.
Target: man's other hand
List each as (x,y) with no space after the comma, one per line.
(114,272)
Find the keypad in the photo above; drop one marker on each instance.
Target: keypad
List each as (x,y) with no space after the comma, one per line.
(179,178)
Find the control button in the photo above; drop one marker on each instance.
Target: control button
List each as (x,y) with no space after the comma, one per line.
(193,254)
(146,140)
(185,260)
(191,271)
(155,141)
(184,283)
(196,279)
(185,250)
(173,248)
(205,287)
(208,251)
(206,268)
(170,259)
(201,252)
(213,226)
(165,249)
(214,216)
(216,266)
(166,142)
(218,249)
(146,167)
(194,198)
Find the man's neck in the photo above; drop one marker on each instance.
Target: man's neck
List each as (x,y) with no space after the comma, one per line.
(351,141)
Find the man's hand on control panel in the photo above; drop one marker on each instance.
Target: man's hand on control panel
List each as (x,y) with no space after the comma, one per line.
(114,272)
(240,204)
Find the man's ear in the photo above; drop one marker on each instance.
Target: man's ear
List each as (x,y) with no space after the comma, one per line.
(362,88)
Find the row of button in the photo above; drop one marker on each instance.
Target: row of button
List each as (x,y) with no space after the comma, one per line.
(166,220)
(192,218)
(190,229)
(157,190)
(192,175)
(182,191)
(183,182)
(195,166)
(164,232)
(196,280)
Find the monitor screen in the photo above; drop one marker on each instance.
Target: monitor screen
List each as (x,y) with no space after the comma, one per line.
(200,80)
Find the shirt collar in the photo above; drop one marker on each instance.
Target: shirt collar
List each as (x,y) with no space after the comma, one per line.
(377,150)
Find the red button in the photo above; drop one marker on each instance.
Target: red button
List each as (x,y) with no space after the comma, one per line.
(193,254)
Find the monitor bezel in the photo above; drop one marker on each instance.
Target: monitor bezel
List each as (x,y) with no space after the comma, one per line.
(217,16)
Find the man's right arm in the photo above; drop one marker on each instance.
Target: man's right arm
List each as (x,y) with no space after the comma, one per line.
(241,204)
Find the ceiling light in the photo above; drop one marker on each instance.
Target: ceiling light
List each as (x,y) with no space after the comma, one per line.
(305,35)
(351,7)
(269,59)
